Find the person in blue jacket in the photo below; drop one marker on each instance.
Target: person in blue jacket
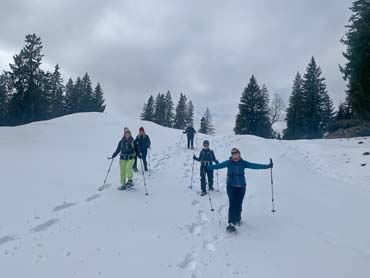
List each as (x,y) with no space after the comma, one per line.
(206,158)
(236,184)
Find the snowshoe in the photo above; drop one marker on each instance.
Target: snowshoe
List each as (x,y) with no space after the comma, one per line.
(203,193)
(123,187)
(231,228)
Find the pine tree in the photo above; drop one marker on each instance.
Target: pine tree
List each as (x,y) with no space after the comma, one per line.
(295,111)
(203,126)
(190,114)
(29,102)
(97,103)
(318,110)
(357,69)
(169,115)
(148,110)
(344,111)
(56,93)
(86,96)
(253,116)
(181,113)
(70,98)
(160,109)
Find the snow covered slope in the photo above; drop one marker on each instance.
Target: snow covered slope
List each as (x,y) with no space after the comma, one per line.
(54,222)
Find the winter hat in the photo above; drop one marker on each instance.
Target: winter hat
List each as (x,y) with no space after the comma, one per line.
(125,129)
(235,150)
(141,129)
(206,142)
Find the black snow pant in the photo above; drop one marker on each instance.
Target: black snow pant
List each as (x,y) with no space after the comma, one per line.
(190,141)
(144,153)
(203,174)
(236,196)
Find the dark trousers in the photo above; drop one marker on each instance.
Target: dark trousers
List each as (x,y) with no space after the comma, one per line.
(203,182)
(144,153)
(236,196)
(191,142)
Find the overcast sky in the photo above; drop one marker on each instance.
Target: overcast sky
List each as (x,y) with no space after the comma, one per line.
(205,49)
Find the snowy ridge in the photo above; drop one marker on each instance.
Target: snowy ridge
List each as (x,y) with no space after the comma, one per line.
(54,222)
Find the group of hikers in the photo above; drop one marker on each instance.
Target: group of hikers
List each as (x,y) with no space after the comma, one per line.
(131,150)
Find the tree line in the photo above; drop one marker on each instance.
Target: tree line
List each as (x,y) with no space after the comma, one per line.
(162,111)
(28,93)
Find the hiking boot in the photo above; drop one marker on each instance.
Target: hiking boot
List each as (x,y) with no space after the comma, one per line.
(123,187)
(135,169)
(231,228)
(203,193)
(211,188)
(129,184)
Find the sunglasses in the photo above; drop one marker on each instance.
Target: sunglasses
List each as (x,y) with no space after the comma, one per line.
(206,145)
(234,153)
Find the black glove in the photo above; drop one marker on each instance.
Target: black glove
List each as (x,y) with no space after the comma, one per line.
(140,156)
(271,163)
(216,161)
(194,157)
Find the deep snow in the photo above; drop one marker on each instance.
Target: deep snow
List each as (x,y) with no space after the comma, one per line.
(55,223)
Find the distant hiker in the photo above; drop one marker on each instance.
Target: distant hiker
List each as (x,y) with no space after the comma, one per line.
(143,143)
(236,184)
(190,132)
(206,158)
(128,150)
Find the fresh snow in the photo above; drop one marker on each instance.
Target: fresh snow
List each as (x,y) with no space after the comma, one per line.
(55,223)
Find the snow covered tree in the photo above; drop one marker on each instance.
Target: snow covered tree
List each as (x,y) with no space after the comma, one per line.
(357,69)
(277,108)
(253,117)
(148,110)
(181,113)
(206,123)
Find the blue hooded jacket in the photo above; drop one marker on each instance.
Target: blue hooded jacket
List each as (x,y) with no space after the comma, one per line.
(235,170)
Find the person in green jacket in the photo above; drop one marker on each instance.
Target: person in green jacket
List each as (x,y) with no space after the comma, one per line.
(128,150)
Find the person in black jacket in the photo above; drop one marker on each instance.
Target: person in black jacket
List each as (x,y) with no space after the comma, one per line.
(190,132)
(128,150)
(143,142)
(206,158)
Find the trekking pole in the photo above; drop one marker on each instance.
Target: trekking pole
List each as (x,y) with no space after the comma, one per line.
(149,160)
(192,175)
(272,191)
(105,180)
(217,180)
(142,171)
(210,200)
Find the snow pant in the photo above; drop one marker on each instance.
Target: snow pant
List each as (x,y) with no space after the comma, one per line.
(191,141)
(125,167)
(236,196)
(144,153)
(203,174)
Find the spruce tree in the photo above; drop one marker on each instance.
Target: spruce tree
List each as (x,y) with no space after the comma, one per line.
(295,111)
(203,126)
(169,115)
(70,97)
(97,103)
(318,110)
(344,111)
(29,102)
(357,69)
(206,123)
(160,109)
(190,114)
(181,113)
(56,93)
(253,117)
(86,96)
(148,110)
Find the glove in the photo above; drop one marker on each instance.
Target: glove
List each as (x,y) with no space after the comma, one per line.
(140,156)
(271,163)
(216,161)
(194,157)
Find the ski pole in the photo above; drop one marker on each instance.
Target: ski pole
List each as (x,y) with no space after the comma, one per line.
(217,181)
(142,171)
(192,175)
(272,191)
(105,180)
